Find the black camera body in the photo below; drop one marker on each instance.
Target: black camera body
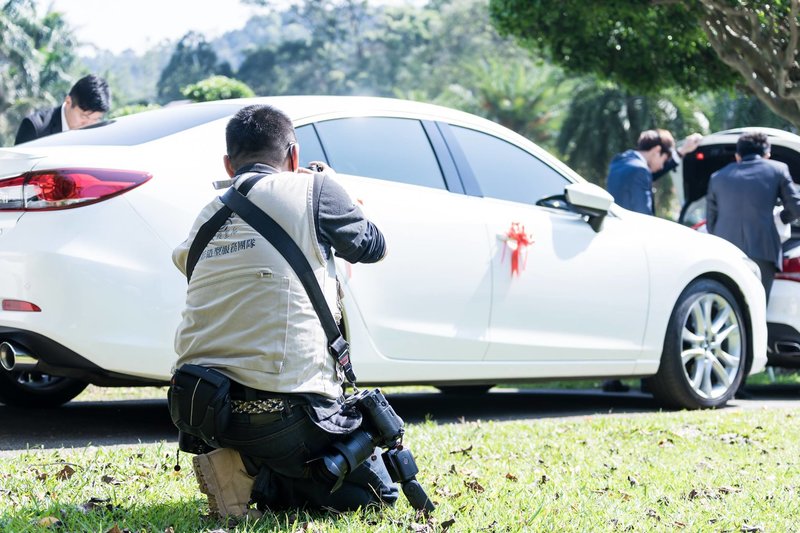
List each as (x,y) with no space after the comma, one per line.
(381,427)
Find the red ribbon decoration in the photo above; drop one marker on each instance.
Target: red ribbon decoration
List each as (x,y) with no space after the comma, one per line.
(517,241)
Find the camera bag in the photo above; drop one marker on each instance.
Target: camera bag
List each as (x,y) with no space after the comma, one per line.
(200,402)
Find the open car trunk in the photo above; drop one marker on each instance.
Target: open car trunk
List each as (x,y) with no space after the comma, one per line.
(700,164)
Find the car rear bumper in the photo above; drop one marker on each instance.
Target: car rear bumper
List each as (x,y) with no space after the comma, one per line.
(108,292)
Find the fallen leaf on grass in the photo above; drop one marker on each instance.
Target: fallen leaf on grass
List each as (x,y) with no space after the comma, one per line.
(464,451)
(447,524)
(445,493)
(511,477)
(680,525)
(474,486)
(110,480)
(95,503)
(65,472)
(750,529)
(50,521)
(728,490)
(652,514)
(114,529)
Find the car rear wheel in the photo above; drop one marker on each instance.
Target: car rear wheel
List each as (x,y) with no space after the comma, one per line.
(34,389)
(705,349)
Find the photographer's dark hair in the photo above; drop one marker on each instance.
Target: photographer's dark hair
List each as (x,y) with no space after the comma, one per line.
(650,138)
(259,133)
(752,143)
(91,93)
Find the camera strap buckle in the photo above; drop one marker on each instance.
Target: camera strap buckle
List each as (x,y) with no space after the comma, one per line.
(340,350)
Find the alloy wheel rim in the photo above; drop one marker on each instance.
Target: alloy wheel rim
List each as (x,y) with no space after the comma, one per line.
(711,346)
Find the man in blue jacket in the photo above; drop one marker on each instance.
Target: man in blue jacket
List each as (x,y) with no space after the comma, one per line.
(631,173)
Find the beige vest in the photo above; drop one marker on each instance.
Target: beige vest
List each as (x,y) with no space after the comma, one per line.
(247,313)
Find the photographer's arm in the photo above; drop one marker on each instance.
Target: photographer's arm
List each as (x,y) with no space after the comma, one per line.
(342,225)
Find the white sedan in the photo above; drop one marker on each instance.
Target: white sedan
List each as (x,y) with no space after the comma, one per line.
(504,265)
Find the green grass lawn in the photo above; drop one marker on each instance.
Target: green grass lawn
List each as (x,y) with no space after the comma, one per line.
(673,471)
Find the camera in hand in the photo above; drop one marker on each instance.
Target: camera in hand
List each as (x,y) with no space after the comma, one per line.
(380,427)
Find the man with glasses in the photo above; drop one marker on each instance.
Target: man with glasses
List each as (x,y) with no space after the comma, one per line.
(87,102)
(631,174)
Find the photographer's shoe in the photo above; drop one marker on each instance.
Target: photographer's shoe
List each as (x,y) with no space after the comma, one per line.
(223,478)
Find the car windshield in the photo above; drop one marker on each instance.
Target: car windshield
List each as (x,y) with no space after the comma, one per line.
(141,127)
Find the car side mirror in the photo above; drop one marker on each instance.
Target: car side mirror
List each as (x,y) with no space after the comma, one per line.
(591,201)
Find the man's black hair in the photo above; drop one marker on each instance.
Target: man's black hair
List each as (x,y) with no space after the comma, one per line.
(91,93)
(753,143)
(259,134)
(659,137)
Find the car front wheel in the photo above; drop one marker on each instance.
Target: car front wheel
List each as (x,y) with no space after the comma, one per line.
(705,349)
(34,389)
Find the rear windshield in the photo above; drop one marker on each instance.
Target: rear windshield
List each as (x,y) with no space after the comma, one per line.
(140,127)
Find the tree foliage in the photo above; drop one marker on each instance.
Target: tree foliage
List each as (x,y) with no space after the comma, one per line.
(194,59)
(36,61)
(687,44)
(217,88)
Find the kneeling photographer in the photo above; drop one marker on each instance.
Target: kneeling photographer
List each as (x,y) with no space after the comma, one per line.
(257,390)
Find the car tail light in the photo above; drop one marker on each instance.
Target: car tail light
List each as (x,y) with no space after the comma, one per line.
(66,188)
(700,156)
(791,269)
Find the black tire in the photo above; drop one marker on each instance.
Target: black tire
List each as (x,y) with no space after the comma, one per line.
(464,389)
(705,349)
(34,389)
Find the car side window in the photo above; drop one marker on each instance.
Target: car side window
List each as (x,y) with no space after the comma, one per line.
(392,149)
(505,171)
(310,148)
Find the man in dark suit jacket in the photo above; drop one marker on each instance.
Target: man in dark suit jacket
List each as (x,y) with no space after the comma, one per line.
(87,102)
(741,200)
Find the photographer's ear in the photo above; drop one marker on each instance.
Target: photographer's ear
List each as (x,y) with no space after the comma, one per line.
(294,157)
(226,160)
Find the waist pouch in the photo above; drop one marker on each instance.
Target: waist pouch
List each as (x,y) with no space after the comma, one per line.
(199,402)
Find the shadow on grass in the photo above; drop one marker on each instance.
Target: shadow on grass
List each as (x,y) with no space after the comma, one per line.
(86,423)
(181,516)
(128,422)
(131,422)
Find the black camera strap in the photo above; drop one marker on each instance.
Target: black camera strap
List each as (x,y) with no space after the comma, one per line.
(236,201)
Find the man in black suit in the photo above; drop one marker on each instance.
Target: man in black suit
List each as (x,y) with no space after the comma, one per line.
(87,102)
(741,199)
